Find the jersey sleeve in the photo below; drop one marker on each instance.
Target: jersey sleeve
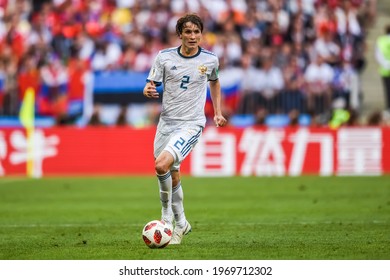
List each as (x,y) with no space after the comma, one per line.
(156,72)
(214,73)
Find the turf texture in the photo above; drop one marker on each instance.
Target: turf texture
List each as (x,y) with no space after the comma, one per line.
(235,218)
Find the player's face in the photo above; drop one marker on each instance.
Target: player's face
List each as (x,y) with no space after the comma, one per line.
(190,38)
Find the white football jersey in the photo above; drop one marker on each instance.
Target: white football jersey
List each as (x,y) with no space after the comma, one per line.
(185,85)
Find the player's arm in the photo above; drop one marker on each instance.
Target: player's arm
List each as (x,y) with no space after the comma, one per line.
(216,97)
(154,79)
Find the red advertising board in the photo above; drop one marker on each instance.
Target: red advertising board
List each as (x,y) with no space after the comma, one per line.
(221,152)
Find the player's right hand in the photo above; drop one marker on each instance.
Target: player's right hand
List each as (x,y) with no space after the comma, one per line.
(150,90)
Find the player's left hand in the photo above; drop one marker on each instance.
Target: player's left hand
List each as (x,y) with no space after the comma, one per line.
(150,90)
(219,120)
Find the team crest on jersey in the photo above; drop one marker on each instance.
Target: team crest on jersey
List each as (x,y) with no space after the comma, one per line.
(202,69)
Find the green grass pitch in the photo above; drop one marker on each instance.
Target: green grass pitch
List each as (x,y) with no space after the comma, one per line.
(259,218)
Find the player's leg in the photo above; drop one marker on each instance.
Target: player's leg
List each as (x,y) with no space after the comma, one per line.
(181,144)
(177,199)
(183,227)
(163,163)
(162,166)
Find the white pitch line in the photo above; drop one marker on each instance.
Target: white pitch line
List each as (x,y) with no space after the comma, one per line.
(200,224)
(64,225)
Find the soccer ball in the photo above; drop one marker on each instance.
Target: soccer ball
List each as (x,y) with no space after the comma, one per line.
(157,234)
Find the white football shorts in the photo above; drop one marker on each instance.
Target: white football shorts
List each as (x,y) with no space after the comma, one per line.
(179,143)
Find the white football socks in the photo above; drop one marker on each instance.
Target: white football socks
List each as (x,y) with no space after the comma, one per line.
(177,206)
(165,185)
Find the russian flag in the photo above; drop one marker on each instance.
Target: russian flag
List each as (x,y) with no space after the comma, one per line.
(230,99)
(231,95)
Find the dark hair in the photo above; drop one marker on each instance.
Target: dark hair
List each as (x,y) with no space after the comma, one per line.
(387,29)
(194,18)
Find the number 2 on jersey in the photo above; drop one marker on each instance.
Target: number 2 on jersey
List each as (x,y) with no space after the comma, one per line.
(184,82)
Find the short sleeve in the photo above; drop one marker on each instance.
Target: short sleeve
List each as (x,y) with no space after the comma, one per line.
(214,73)
(156,71)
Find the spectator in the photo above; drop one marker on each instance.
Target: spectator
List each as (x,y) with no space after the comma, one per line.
(271,80)
(10,88)
(325,19)
(326,47)
(228,48)
(285,53)
(347,19)
(250,30)
(40,32)
(302,55)
(83,45)
(28,76)
(318,81)
(307,7)
(184,6)
(78,72)
(53,100)
(301,30)
(383,57)
(249,87)
(292,95)
(106,56)
(342,84)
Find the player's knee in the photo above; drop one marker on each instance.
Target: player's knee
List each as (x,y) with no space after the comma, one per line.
(163,163)
(161,167)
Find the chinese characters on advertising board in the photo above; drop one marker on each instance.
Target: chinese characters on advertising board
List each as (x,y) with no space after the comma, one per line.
(221,152)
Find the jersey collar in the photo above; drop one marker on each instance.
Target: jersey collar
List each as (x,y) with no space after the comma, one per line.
(195,55)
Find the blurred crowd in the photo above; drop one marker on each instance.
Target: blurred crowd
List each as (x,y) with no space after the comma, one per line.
(288,57)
